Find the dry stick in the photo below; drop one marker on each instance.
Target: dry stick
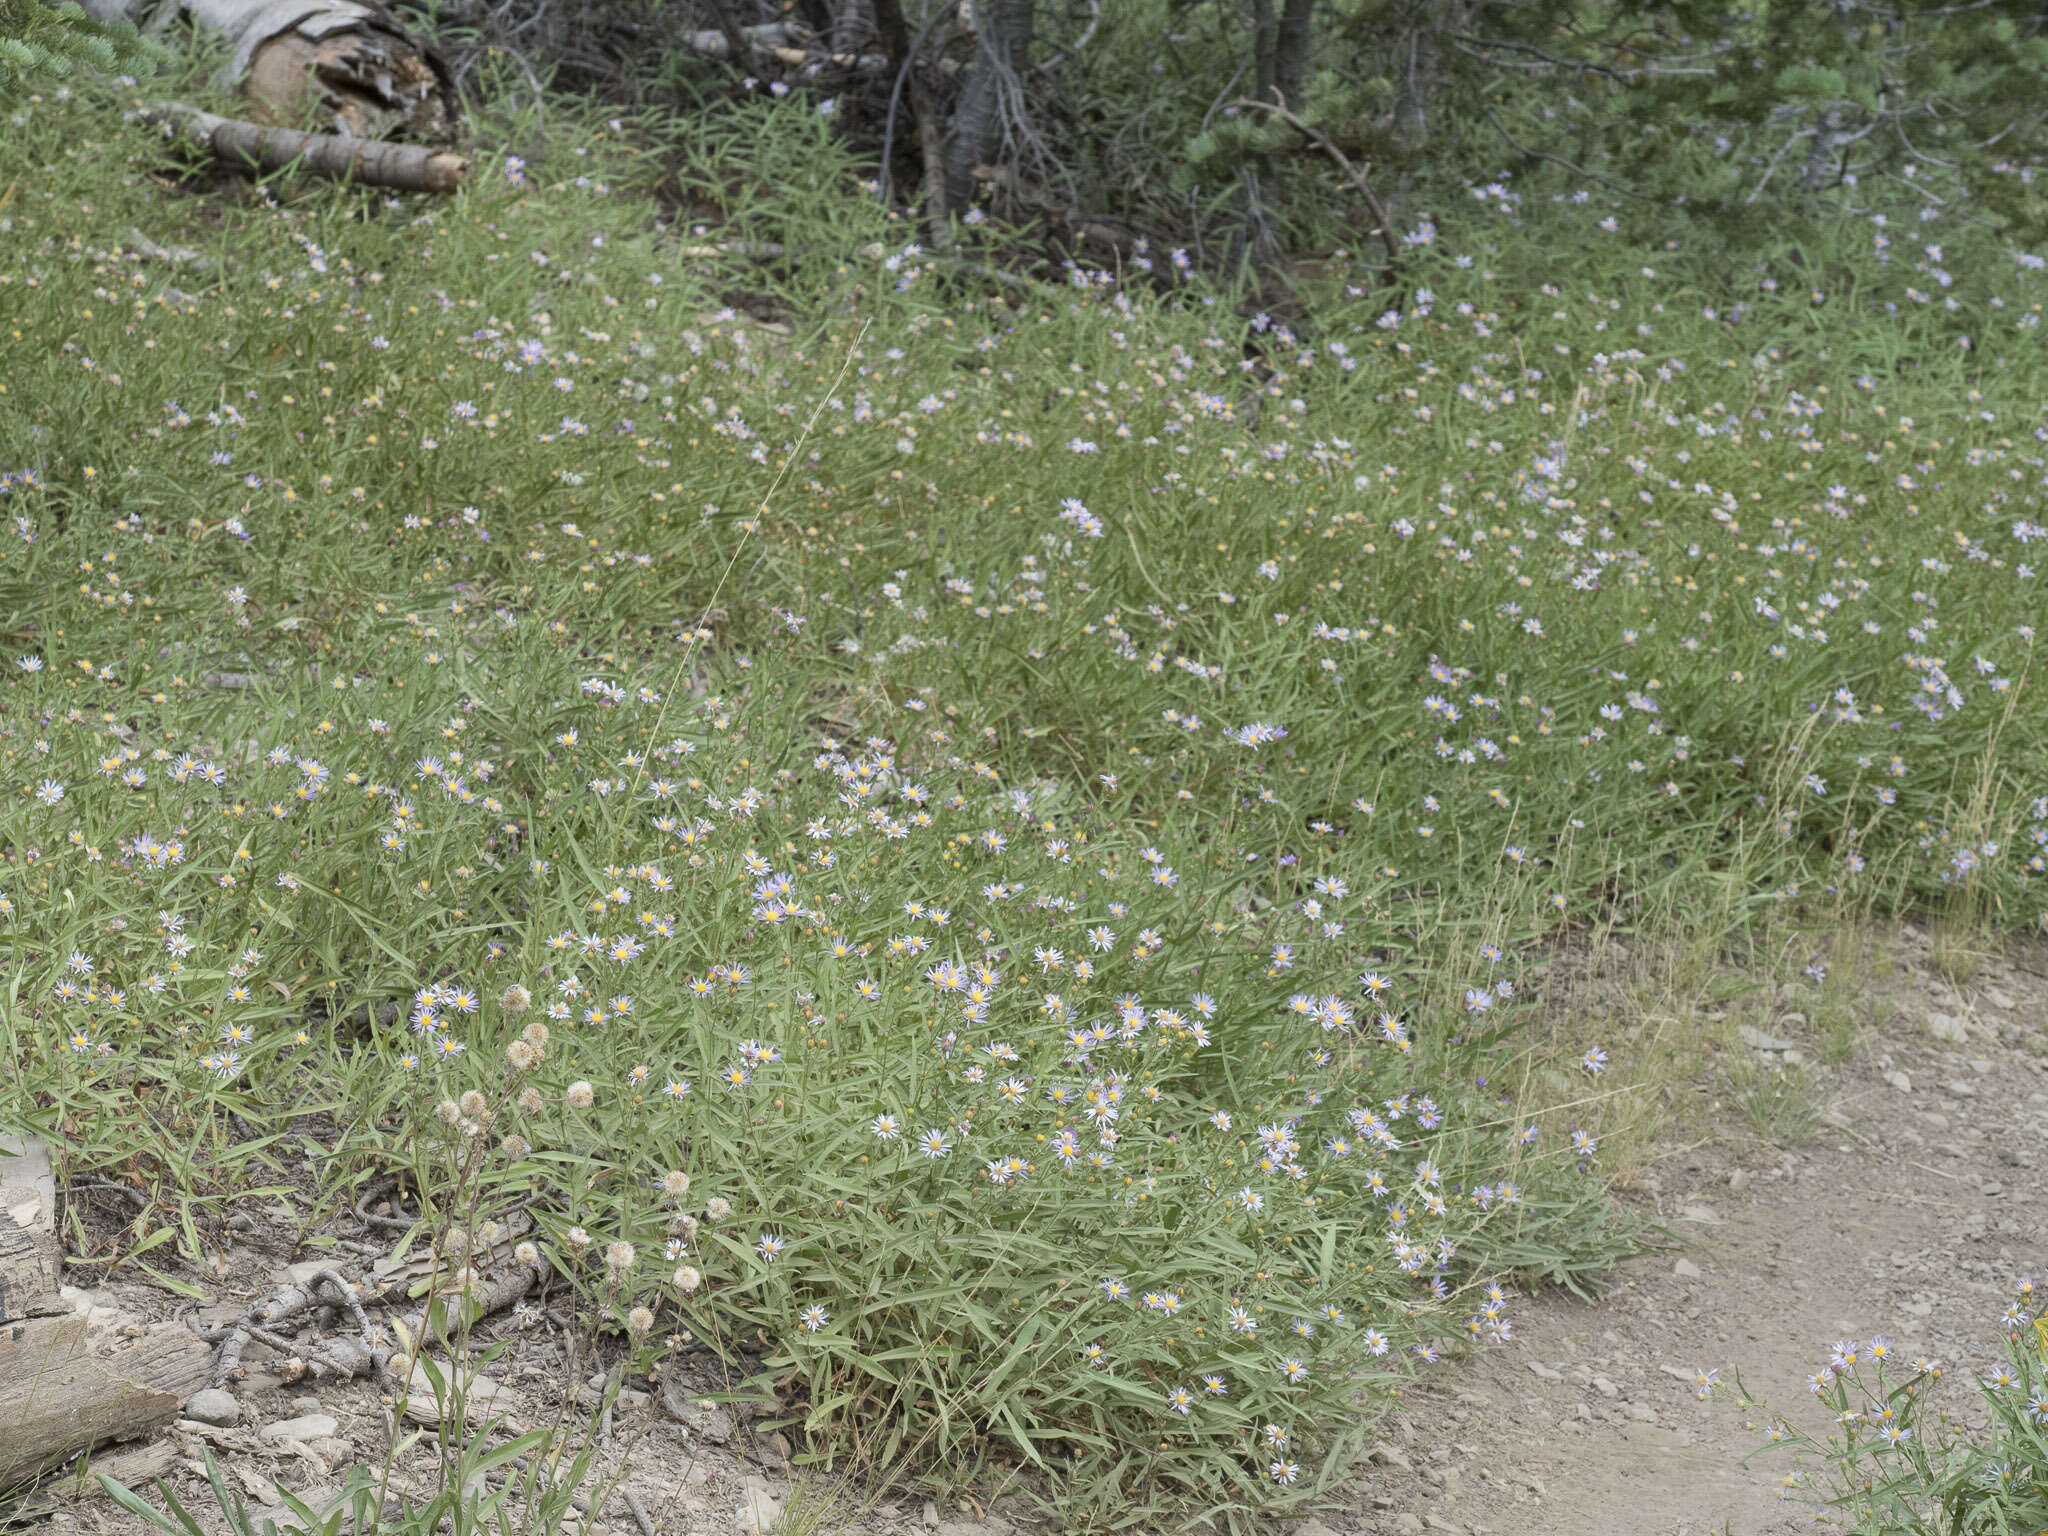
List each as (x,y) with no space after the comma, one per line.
(639,1510)
(1357,177)
(379,1188)
(373,162)
(288,1301)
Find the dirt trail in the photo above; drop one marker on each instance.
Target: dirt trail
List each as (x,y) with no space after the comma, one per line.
(1908,1215)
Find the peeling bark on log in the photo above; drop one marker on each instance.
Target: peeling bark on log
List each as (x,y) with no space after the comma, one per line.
(350,63)
(60,1395)
(31,1259)
(373,162)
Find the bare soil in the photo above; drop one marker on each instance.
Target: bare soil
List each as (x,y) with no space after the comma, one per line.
(1908,1214)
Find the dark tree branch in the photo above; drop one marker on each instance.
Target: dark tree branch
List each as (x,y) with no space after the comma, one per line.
(1537,154)
(1357,177)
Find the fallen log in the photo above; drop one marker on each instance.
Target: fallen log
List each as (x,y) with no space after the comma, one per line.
(349,64)
(61,1393)
(373,162)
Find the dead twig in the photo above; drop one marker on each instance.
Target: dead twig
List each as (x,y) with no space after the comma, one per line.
(373,162)
(341,1357)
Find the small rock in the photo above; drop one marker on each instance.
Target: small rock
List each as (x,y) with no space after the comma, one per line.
(1606,1388)
(1739,1180)
(482,1398)
(1543,1372)
(1641,1413)
(1947,1028)
(307,1405)
(760,1509)
(2000,1000)
(931,1515)
(1685,1269)
(1757,1040)
(1385,1455)
(309,1426)
(1704,1214)
(1962,1088)
(215,1407)
(1992,1187)
(1407,1524)
(1900,1081)
(1310,1527)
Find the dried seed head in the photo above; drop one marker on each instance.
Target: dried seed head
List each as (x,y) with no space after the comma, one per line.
(521,1057)
(515,999)
(527,1254)
(718,1208)
(535,1035)
(472,1104)
(640,1320)
(531,1101)
(686,1278)
(581,1095)
(618,1257)
(515,1147)
(578,1239)
(675,1185)
(448,1111)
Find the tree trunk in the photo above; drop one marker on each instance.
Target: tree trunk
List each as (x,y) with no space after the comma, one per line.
(1292,40)
(993,100)
(1265,50)
(350,64)
(1415,84)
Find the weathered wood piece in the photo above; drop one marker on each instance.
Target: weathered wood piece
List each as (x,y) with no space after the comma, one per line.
(374,162)
(61,1393)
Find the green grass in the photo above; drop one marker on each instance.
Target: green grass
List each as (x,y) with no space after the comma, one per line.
(504,716)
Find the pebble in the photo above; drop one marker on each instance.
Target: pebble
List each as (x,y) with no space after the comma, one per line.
(1685,1269)
(1900,1081)
(482,1398)
(760,1509)
(308,1426)
(215,1407)
(1947,1027)
(1641,1413)
(1407,1524)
